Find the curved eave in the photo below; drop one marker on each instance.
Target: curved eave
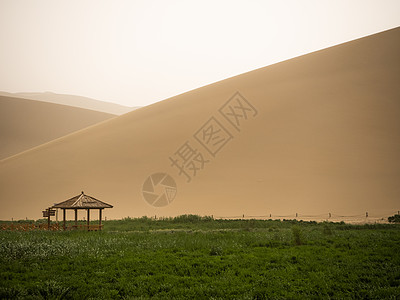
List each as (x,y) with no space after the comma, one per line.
(87,207)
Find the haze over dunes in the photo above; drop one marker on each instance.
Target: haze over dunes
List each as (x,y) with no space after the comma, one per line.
(25,124)
(73,100)
(321,135)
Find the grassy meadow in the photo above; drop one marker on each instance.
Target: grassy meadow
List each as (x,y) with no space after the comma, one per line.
(191,257)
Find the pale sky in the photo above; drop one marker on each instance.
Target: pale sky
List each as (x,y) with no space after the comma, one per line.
(139,52)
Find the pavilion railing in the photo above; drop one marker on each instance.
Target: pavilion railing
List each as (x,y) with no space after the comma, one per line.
(84,227)
(53,227)
(29,227)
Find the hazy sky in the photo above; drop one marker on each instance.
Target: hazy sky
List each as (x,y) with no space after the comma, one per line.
(139,52)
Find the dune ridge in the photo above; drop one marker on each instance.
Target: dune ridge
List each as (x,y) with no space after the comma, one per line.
(73,100)
(25,124)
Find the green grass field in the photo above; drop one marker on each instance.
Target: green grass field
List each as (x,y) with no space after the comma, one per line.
(190,257)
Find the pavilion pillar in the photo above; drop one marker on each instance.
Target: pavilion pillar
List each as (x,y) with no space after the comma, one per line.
(76,218)
(88,218)
(48,218)
(64,218)
(100,215)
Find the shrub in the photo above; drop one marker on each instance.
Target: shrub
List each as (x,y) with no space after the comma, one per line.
(216,251)
(52,290)
(394,219)
(327,229)
(297,235)
(191,219)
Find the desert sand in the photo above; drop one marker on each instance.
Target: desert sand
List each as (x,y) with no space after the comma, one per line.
(25,124)
(73,100)
(315,134)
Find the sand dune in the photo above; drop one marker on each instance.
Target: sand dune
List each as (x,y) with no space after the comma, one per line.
(314,134)
(25,124)
(73,100)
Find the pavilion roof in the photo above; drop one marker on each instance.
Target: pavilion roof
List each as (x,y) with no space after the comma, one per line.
(82,201)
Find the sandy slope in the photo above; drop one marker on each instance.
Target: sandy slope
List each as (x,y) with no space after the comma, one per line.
(325,138)
(73,100)
(25,124)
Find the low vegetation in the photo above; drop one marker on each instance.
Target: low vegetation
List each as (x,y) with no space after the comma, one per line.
(192,257)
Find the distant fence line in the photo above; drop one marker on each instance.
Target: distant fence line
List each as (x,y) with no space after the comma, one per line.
(365,218)
(329,217)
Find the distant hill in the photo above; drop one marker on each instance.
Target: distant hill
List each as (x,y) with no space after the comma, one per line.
(25,124)
(72,100)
